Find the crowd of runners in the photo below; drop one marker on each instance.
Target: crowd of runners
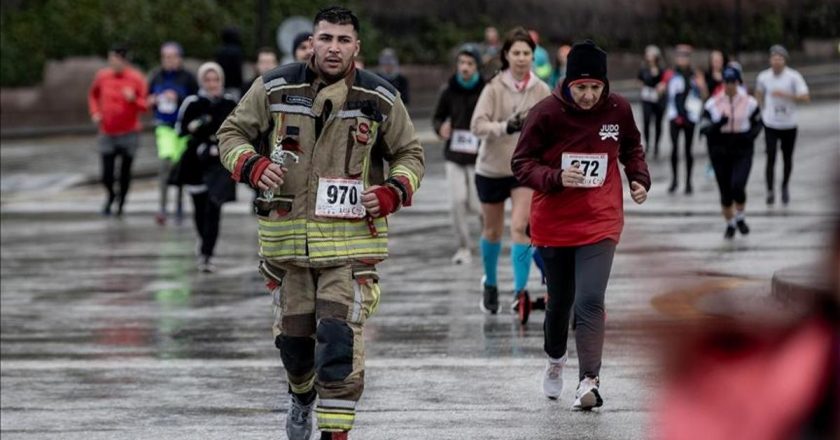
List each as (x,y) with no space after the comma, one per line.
(330,152)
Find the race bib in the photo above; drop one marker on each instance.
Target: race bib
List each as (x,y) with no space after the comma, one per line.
(464,142)
(693,107)
(594,167)
(340,198)
(166,105)
(649,94)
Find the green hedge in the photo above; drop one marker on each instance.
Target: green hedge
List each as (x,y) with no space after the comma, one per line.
(33,31)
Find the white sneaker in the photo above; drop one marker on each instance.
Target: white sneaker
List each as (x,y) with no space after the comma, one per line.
(587,395)
(205,265)
(463,256)
(553,378)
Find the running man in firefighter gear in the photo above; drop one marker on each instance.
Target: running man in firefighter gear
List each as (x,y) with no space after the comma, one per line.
(325,225)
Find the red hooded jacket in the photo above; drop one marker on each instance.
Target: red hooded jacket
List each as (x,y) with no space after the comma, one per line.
(578,216)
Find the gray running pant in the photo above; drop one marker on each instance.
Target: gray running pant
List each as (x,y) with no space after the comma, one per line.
(577,276)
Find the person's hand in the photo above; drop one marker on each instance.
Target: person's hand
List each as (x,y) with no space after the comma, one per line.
(128,94)
(723,120)
(514,124)
(638,192)
(380,201)
(96,118)
(572,176)
(272,177)
(445,130)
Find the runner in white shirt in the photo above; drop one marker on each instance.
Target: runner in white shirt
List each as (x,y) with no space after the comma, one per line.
(778,90)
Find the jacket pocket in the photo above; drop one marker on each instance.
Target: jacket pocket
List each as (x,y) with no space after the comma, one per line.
(360,139)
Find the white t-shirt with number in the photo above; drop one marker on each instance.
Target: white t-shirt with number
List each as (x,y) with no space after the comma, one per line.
(780,113)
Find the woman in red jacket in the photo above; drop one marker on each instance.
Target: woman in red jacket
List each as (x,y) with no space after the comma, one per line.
(568,153)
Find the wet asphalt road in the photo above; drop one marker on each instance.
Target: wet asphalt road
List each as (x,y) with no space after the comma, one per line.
(108,331)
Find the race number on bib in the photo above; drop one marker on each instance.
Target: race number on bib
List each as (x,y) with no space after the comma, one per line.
(649,94)
(464,142)
(593,166)
(340,198)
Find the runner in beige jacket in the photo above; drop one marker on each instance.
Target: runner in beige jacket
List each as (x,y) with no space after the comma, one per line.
(498,118)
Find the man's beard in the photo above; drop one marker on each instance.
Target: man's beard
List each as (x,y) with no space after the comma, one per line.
(331,78)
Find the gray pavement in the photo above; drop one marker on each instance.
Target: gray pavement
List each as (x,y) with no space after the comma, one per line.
(107,330)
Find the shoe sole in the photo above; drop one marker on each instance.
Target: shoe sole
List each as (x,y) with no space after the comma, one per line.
(588,401)
(485,309)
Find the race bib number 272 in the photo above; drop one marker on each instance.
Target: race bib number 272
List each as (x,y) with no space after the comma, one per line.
(593,166)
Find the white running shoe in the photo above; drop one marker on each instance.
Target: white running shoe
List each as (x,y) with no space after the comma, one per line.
(587,395)
(553,378)
(463,256)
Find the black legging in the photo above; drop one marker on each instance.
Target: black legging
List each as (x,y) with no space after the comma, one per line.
(108,178)
(732,162)
(579,276)
(772,137)
(207,215)
(688,129)
(652,112)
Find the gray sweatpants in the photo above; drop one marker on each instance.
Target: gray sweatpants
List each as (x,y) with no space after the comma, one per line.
(577,276)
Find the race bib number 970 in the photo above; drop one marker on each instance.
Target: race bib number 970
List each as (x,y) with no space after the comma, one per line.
(593,166)
(340,198)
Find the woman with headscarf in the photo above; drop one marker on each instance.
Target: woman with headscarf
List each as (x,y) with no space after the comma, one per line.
(200,171)
(497,119)
(569,154)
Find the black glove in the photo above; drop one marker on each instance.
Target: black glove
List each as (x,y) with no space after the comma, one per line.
(723,120)
(514,125)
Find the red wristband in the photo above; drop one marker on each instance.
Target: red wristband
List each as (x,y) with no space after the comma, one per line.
(257,170)
(388,199)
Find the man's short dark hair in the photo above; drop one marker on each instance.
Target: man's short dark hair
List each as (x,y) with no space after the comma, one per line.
(337,15)
(120,49)
(266,49)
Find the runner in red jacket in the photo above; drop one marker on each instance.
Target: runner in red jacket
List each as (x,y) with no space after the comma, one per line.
(116,99)
(568,153)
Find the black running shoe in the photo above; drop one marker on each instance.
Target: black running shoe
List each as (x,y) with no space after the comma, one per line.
(523,306)
(785,195)
(730,232)
(742,227)
(490,301)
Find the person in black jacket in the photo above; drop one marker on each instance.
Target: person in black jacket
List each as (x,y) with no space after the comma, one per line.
(389,68)
(200,170)
(230,57)
(731,122)
(451,121)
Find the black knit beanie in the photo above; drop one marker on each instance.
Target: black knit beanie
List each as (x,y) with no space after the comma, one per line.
(586,61)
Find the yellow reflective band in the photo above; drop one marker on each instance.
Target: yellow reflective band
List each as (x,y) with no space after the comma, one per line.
(303,388)
(402,170)
(232,156)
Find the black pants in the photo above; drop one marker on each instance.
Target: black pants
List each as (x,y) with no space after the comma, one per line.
(108,178)
(652,112)
(688,130)
(787,138)
(207,215)
(577,276)
(732,164)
